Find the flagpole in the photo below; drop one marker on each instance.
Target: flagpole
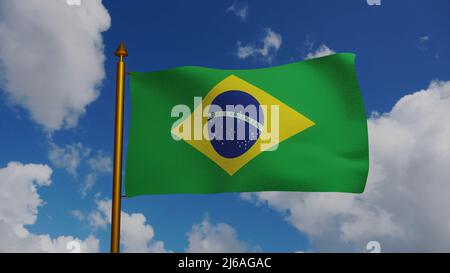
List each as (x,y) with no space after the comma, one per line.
(121,52)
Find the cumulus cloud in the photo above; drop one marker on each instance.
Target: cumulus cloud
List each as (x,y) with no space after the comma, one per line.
(19,205)
(207,237)
(321,51)
(239,9)
(269,47)
(51,56)
(405,205)
(136,235)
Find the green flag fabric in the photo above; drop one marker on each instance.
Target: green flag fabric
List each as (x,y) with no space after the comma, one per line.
(295,127)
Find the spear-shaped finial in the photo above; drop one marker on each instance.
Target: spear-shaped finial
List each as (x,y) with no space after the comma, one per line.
(121,51)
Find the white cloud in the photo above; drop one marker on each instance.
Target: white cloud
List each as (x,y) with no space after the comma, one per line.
(270,45)
(88,183)
(135,234)
(206,237)
(98,165)
(19,205)
(78,215)
(321,51)
(424,38)
(52,57)
(240,10)
(405,205)
(423,43)
(97,220)
(72,156)
(68,157)
(60,244)
(138,236)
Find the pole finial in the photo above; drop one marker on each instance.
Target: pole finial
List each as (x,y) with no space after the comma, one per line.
(121,51)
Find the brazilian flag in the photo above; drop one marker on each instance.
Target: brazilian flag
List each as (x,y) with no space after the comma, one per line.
(294,127)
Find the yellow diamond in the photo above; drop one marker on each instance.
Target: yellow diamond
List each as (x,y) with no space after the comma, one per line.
(288,121)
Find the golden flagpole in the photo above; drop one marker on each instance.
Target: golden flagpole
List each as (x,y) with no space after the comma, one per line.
(121,52)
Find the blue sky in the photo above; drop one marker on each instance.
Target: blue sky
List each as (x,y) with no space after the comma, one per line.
(401,47)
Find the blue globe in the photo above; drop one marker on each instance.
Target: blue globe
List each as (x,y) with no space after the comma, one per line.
(232,145)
